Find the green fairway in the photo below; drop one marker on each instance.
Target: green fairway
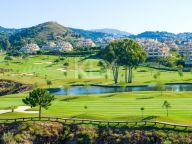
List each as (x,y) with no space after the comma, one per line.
(120,106)
(34,69)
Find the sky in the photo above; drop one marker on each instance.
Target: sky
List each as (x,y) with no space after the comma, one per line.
(134,16)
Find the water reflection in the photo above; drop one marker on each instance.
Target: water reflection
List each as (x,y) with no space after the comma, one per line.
(78,90)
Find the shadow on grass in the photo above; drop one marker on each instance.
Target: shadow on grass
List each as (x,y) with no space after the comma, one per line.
(90,71)
(108,96)
(188,79)
(142,98)
(150,118)
(69,98)
(147,82)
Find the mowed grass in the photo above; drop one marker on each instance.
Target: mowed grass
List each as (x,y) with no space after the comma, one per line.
(120,106)
(35,69)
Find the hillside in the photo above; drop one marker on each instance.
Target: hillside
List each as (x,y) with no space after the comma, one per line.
(49,31)
(90,34)
(156,35)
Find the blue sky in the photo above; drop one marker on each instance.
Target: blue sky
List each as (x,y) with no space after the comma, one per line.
(134,16)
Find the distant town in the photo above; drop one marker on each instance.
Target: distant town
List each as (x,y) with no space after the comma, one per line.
(51,36)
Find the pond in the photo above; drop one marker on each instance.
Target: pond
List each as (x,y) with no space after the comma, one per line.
(78,90)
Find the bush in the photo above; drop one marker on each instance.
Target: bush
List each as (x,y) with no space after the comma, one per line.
(66,64)
(65,134)
(56,61)
(8,58)
(86,137)
(80,76)
(8,138)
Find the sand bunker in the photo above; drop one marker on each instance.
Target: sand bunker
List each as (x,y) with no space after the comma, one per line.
(61,69)
(21,109)
(38,63)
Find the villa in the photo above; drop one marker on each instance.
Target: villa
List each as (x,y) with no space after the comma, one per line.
(30,48)
(186,51)
(85,43)
(60,46)
(154,48)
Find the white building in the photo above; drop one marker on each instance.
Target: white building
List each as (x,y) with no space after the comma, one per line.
(85,43)
(186,51)
(49,46)
(60,46)
(63,46)
(154,48)
(30,48)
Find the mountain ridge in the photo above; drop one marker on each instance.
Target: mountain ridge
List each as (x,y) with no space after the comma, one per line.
(112,31)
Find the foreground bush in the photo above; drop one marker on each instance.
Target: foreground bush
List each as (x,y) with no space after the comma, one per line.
(53,132)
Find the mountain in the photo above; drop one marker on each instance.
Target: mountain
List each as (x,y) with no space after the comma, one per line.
(156,35)
(40,34)
(114,32)
(184,35)
(9,30)
(90,34)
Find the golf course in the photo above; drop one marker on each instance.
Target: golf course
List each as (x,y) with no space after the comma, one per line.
(65,71)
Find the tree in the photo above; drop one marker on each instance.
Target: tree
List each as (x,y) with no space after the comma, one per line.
(157,75)
(132,54)
(142,109)
(65,73)
(127,53)
(111,57)
(166,105)
(39,97)
(13,108)
(180,71)
(7,45)
(159,60)
(104,67)
(49,83)
(160,87)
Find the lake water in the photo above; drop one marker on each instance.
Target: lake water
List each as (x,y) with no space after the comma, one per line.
(78,90)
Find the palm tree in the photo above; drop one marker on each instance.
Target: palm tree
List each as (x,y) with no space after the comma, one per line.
(166,105)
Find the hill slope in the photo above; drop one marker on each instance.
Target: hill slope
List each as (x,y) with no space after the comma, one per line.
(90,34)
(49,31)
